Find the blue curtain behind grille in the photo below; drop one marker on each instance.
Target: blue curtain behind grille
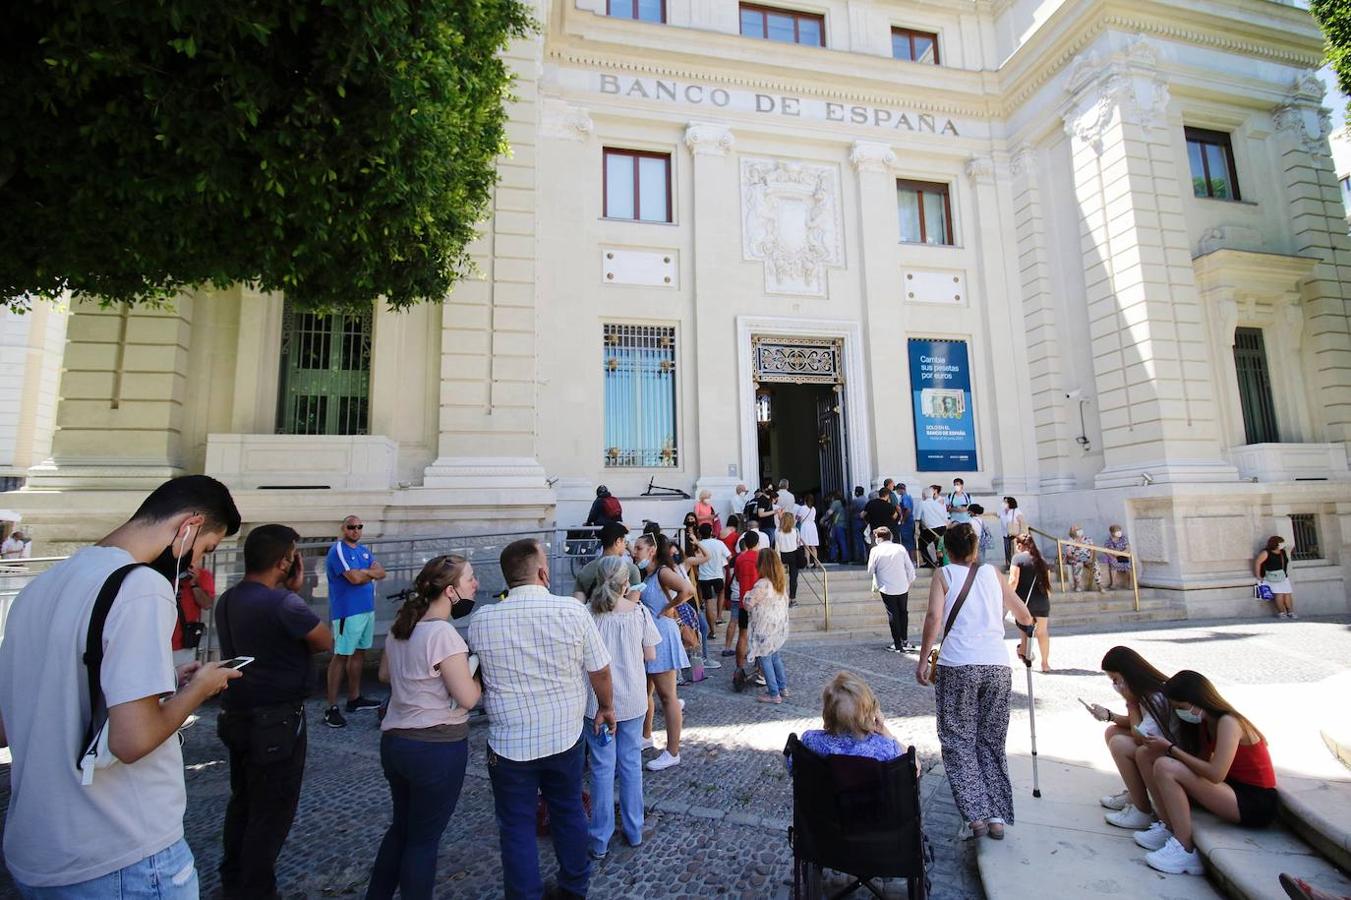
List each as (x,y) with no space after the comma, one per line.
(639,404)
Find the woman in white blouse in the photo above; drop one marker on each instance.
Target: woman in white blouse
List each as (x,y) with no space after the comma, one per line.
(631,636)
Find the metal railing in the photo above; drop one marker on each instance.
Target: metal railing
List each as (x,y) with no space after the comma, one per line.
(1062,543)
(817,580)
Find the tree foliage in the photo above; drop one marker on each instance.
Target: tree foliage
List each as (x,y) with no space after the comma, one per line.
(1335,18)
(337,150)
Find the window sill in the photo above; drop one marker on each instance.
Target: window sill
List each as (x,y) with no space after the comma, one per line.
(635,221)
(1226,201)
(927,244)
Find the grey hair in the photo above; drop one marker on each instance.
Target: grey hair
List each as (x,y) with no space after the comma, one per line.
(612,584)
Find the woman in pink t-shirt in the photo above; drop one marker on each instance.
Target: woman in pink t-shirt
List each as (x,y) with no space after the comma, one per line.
(423,746)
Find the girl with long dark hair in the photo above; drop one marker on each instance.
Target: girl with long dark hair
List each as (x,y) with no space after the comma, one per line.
(1148,713)
(1031,581)
(423,741)
(664,589)
(1272,568)
(1227,770)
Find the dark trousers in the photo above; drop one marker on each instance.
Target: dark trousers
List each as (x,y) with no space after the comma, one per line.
(898,617)
(262,806)
(839,542)
(516,789)
(927,538)
(790,562)
(1008,550)
(424,778)
(858,548)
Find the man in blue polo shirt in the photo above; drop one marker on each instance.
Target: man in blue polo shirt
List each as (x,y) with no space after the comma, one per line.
(352,573)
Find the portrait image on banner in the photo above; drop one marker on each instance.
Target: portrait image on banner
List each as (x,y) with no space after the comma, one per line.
(940,392)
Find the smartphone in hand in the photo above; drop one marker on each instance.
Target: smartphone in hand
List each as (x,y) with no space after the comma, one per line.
(237,662)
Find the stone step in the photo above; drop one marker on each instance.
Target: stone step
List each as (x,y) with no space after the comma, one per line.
(1246,863)
(1319,811)
(1338,739)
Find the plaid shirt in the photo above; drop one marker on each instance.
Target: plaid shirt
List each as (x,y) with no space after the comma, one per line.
(535,650)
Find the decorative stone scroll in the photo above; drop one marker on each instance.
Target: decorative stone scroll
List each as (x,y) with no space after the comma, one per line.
(1128,85)
(791,221)
(795,360)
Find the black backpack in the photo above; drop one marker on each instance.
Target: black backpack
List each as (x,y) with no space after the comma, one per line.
(751,512)
(93,660)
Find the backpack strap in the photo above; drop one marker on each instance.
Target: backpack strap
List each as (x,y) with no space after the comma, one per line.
(93,653)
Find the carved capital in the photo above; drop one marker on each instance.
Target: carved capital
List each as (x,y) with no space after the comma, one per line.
(980,169)
(1023,162)
(1302,119)
(1125,87)
(560,119)
(868,156)
(706,138)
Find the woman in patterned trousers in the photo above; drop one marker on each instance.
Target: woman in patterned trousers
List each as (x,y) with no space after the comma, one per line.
(973,681)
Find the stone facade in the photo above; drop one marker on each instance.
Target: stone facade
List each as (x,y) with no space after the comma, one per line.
(1099,299)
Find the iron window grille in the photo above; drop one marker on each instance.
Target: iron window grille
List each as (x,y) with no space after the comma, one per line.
(639,371)
(1305,529)
(325,372)
(784,25)
(1254,387)
(914,46)
(1211,157)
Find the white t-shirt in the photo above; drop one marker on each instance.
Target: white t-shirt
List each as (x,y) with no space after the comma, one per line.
(786,541)
(786,501)
(933,513)
(718,554)
(977,636)
(13,548)
(60,832)
(762,540)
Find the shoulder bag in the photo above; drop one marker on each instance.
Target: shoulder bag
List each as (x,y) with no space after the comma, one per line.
(952,617)
(265,734)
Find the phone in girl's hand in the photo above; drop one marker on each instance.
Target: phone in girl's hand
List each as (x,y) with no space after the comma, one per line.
(237,662)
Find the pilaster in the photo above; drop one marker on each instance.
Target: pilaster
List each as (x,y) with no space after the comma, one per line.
(1319,230)
(486,441)
(883,312)
(717,246)
(1152,366)
(120,416)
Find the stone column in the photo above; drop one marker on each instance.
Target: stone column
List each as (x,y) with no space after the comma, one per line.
(120,417)
(884,347)
(1012,464)
(1151,364)
(717,249)
(486,445)
(1319,229)
(1041,330)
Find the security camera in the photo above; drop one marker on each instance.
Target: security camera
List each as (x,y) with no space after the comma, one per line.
(1075,394)
(1146,478)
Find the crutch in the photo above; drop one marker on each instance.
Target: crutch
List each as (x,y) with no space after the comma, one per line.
(1032,711)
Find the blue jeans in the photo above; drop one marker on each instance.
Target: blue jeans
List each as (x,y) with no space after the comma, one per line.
(771,667)
(703,634)
(839,542)
(858,548)
(424,785)
(169,874)
(624,756)
(516,790)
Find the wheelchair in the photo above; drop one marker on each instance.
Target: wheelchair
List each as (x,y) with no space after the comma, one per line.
(859,817)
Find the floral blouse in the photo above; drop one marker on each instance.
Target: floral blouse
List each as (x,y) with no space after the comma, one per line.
(769,619)
(1119,563)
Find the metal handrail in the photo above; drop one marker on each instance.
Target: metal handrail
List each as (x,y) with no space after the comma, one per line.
(1062,543)
(822,596)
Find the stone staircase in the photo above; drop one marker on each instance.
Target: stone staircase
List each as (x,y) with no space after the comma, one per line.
(856,609)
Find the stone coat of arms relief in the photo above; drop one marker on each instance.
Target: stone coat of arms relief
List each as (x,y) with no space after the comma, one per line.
(791,222)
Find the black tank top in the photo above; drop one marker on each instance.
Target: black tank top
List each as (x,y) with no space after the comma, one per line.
(1275,562)
(1029,586)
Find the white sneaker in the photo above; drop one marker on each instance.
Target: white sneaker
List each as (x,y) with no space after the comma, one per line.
(1129,817)
(1291,615)
(647,744)
(682,704)
(1153,837)
(1116,801)
(665,761)
(759,679)
(712,664)
(1171,858)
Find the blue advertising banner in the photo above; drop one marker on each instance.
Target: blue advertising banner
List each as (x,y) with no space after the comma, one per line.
(945,425)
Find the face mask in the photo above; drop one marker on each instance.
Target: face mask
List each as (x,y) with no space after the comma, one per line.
(1191,718)
(461,607)
(169,565)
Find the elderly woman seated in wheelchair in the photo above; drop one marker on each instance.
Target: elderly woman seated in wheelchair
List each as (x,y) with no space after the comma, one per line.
(855,798)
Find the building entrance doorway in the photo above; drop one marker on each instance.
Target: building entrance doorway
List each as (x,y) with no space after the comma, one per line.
(799,413)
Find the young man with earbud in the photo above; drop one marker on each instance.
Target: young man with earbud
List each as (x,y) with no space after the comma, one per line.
(124,824)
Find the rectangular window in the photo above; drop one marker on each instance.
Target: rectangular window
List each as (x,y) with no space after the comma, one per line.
(639,365)
(1304,526)
(642,10)
(325,372)
(783,25)
(915,46)
(926,214)
(1254,387)
(637,185)
(1211,157)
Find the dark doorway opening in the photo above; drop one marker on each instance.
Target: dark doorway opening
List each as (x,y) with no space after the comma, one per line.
(801,436)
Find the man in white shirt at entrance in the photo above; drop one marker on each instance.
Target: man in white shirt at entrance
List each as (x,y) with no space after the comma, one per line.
(892,572)
(933,521)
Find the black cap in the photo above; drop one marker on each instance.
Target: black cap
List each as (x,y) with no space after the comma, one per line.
(602,491)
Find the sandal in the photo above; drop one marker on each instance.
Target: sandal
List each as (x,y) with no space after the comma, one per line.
(767,698)
(996,830)
(978,829)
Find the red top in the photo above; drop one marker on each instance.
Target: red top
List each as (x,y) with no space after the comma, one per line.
(730,540)
(191,611)
(1251,765)
(746,573)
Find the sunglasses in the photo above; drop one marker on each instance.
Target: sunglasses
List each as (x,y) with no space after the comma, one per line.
(354,527)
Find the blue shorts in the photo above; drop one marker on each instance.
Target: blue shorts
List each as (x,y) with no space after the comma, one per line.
(353,633)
